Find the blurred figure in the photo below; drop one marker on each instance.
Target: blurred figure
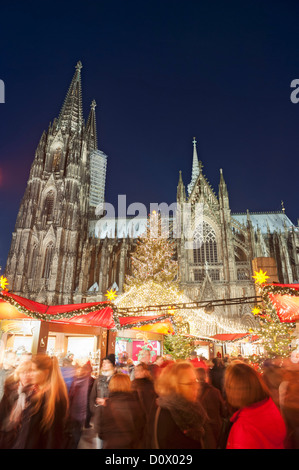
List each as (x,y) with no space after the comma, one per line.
(217,374)
(178,421)
(8,367)
(144,386)
(289,403)
(131,368)
(78,399)
(159,361)
(44,411)
(273,375)
(213,403)
(122,418)
(100,391)
(88,370)
(68,371)
(145,357)
(17,390)
(197,362)
(257,423)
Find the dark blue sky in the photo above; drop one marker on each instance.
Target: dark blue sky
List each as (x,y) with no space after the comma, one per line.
(161,72)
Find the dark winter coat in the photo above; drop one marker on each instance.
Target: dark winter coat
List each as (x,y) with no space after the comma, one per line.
(78,398)
(99,390)
(180,425)
(214,405)
(123,422)
(145,390)
(32,436)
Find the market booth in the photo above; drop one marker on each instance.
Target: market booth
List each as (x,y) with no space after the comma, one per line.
(90,329)
(284,299)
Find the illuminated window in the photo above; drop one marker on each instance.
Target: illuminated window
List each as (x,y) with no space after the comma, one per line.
(205,245)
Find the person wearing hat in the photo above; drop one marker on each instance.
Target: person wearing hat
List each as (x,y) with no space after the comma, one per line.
(99,392)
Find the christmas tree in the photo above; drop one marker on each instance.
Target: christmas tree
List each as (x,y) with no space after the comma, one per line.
(154,281)
(276,336)
(153,258)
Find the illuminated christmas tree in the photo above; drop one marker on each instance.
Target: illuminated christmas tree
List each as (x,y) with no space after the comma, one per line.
(276,336)
(154,281)
(153,258)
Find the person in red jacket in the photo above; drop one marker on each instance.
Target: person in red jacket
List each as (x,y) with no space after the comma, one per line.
(257,423)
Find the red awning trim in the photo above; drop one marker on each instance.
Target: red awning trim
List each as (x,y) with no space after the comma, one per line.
(101,314)
(231,338)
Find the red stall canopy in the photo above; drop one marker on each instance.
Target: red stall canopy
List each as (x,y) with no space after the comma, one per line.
(284,298)
(97,314)
(231,337)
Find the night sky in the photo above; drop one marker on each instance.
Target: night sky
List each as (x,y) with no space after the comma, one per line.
(161,73)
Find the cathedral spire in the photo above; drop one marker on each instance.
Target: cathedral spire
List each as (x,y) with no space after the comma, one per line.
(196,168)
(91,128)
(222,184)
(71,114)
(181,193)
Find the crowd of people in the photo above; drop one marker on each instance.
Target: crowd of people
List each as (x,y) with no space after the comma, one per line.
(226,403)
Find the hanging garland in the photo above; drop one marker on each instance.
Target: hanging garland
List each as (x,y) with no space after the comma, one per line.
(84,311)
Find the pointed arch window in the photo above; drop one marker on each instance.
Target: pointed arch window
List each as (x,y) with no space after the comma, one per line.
(33,261)
(56,159)
(49,205)
(205,245)
(48,260)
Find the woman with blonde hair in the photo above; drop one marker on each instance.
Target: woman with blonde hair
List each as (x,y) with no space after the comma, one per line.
(178,421)
(43,418)
(123,419)
(257,423)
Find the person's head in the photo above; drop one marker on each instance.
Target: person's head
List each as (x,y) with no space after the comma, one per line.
(142,371)
(145,356)
(178,378)
(9,360)
(108,363)
(23,373)
(120,383)
(244,385)
(201,374)
(159,360)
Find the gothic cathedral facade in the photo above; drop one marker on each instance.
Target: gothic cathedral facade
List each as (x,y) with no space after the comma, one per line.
(60,254)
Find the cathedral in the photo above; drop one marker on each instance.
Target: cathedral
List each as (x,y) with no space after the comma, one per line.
(62,252)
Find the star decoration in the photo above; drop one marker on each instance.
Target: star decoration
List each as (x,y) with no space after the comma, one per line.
(256,310)
(260,277)
(3,283)
(171,310)
(111,295)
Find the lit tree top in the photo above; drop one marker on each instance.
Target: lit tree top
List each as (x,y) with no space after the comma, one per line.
(153,257)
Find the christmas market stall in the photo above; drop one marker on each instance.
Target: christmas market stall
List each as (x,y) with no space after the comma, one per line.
(42,328)
(234,344)
(278,316)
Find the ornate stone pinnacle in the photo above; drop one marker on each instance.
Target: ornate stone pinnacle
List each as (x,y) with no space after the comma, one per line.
(79,65)
(93,104)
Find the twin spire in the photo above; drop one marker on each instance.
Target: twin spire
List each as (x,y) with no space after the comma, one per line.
(196,168)
(196,172)
(71,114)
